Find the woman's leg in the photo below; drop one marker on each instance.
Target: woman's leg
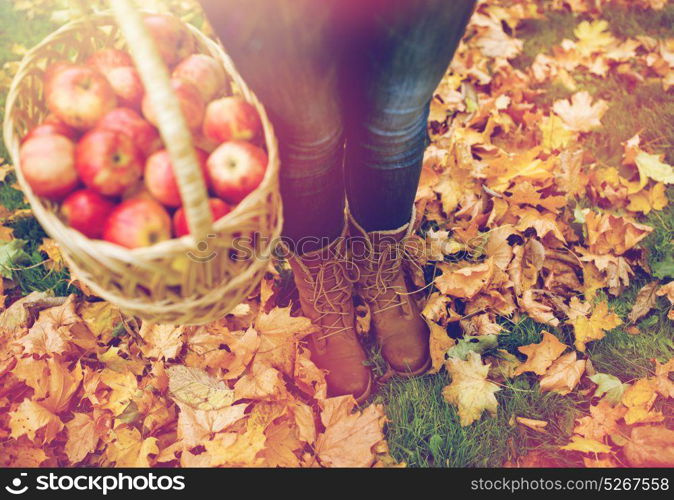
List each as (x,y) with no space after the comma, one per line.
(285,51)
(287,54)
(404,49)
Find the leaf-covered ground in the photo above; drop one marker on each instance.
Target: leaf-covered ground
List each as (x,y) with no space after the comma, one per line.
(549,235)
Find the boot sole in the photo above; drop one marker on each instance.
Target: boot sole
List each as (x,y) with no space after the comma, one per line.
(416,373)
(366,393)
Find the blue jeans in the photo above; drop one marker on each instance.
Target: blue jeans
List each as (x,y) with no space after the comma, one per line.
(347,85)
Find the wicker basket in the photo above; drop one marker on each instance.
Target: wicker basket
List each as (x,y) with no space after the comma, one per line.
(190,280)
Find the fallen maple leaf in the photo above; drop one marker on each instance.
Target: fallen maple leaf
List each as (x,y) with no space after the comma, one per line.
(30,417)
(603,421)
(609,386)
(470,390)
(540,356)
(639,399)
(349,436)
(161,341)
(82,437)
(650,446)
(466,281)
(578,113)
(594,327)
(129,449)
(564,374)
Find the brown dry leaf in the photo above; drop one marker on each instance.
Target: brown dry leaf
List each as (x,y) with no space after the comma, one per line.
(234,449)
(50,334)
(161,341)
(55,261)
(281,446)
(668,291)
(197,426)
(564,374)
(540,356)
(608,234)
(602,422)
(101,318)
(439,343)
(465,282)
(537,310)
(470,390)
(536,425)
(650,446)
(82,437)
(644,302)
(279,331)
(663,384)
(31,417)
(263,382)
(349,436)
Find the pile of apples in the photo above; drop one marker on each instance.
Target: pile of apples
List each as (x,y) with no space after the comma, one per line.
(100,155)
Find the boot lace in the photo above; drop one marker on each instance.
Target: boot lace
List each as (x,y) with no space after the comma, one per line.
(332,288)
(379,272)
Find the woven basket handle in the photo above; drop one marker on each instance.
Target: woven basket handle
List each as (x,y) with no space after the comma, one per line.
(171,123)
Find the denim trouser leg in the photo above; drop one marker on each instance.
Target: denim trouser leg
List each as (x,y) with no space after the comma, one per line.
(325,66)
(389,82)
(286,53)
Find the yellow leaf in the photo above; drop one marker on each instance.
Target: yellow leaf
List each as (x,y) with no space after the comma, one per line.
(466,281)
(439,342)
(127,448)
(470,390)
(652,167)
(591,328)
(555,134)
(82,437)
(585,445)
(50,247)
(30,417)
(593,37)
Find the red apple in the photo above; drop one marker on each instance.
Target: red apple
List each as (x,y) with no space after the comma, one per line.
(142,133)
(107,59)
(48,165)
(204,72)
(108,162)
(138,223)
(191,104)
(87,211)
(127,85)
(79,95)
(235,169)
(218,208)
(173,38)
(50,126)
(160,179)
(231,118)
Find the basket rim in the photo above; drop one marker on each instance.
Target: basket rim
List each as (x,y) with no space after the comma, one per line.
(174,245)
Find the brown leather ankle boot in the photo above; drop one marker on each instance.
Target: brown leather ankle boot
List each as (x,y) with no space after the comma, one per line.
(397,324)
(326,296)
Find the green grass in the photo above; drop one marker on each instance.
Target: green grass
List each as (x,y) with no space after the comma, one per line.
(425,431)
